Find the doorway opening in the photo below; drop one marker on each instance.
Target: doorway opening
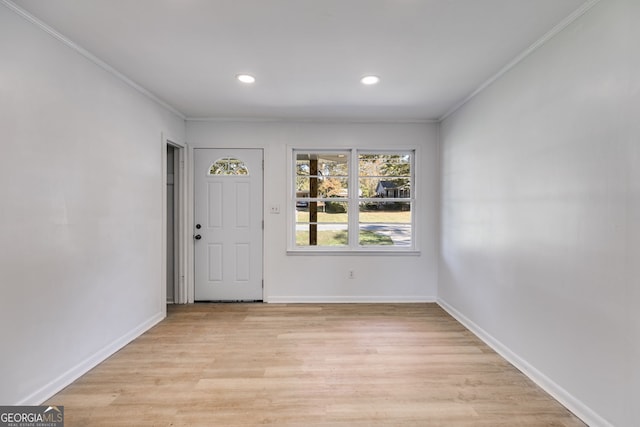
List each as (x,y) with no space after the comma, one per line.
(174,256)
(172,226)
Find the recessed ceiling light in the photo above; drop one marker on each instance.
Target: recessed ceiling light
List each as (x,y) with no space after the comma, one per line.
(246,78)
(370,80)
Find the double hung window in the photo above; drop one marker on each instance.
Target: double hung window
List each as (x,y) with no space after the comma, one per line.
(353,200)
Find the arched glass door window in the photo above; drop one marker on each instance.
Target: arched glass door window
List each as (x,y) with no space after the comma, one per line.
(228,166)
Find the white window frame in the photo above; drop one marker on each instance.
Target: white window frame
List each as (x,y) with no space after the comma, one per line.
(353,247)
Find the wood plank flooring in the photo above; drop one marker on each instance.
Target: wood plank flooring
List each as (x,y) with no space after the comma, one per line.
(308,365)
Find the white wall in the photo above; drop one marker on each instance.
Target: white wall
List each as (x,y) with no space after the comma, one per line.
(80,214)
(540,246)
(324,278)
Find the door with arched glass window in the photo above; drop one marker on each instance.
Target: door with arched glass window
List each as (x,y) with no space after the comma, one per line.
(228,224)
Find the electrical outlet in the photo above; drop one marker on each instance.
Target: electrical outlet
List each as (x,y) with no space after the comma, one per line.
(352,274)
(275,209)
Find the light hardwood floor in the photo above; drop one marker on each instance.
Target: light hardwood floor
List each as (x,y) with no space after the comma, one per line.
(308,365)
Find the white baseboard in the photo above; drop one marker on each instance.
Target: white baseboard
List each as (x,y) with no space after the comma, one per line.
(581,410)
(348,299)
(50,389)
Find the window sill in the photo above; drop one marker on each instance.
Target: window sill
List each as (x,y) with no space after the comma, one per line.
(356,252)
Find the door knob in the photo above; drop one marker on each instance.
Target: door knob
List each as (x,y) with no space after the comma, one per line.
(197,237)
(198,226)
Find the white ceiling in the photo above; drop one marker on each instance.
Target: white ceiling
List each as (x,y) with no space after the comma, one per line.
(307,55)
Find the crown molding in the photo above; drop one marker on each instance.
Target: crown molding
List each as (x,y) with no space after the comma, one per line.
(515,61)
(308,120)
(88,55)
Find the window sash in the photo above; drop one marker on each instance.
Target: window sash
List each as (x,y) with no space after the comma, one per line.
(357,222)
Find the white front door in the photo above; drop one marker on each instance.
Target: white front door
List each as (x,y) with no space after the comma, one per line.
(228,224)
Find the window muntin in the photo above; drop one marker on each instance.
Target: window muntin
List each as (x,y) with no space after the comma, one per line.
(380,214)
(327,187)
